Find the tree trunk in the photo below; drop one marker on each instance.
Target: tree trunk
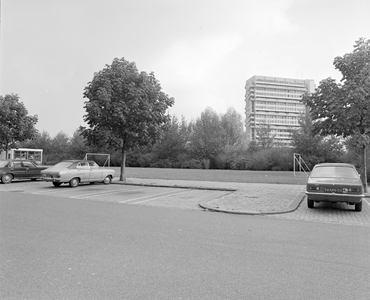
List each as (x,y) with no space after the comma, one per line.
(363,168)
(123,166)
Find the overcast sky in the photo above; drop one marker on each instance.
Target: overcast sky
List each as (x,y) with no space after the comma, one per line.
(202,51)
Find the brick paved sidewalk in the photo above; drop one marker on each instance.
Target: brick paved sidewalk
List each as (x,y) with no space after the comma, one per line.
(259,198)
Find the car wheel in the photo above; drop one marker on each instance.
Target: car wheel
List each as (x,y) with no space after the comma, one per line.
(7,178)
(57,184)
(358,206)
(107,180)
(310,203)
(74,182)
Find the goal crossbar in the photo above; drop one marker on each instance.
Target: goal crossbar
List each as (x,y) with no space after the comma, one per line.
(106,160)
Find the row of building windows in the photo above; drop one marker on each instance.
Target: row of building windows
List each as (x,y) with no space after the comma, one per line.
(284,82)
(287,91)
(276,120)
(280,107)
(280,95)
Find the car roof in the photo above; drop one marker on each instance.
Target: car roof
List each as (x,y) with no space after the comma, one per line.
(335,165)
(77,160)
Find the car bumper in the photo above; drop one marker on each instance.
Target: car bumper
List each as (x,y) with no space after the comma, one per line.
(333,197)
(52,179)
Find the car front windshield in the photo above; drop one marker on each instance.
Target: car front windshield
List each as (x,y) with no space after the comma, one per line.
(334,172)
(64,164)
(3,163)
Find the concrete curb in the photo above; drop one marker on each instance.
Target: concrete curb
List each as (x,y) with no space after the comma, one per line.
(292,207)
(176,186)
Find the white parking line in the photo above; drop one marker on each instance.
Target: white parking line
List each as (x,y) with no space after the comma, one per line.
(186,191)
(367,202)
(149,196)
(51,191)
(104,193)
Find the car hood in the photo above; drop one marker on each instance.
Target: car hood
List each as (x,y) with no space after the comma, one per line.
(334,180)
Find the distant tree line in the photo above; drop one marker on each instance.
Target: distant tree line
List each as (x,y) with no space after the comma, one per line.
(211,141)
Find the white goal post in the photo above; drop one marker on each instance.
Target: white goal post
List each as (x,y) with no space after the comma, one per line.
(297,159)
(102,159)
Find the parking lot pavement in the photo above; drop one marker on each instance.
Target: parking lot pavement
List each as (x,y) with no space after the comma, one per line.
(273,200)
(182,198)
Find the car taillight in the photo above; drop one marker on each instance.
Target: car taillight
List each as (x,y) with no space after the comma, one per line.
(354,190)
(313,188)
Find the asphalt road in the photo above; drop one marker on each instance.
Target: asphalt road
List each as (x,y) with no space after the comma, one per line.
(64,248)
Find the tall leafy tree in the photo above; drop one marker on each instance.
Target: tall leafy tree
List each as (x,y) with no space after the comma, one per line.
(173,142)
(343,109)
(77,148)
(126,108)
(232,127)
(265,137)
(15,123)
(206,137)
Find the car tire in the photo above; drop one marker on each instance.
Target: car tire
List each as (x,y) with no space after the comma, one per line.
(107,180)
(57,184)
(310,203)
(358,206)
(74,182)
(7,178)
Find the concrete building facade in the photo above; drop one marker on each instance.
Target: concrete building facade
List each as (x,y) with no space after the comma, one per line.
(274,102)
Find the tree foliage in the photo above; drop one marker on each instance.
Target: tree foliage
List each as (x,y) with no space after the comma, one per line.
(315,148)
(264,136)
(15,123)
(232,127)
(173,143)
(206,136)
(343,109)
(126,108)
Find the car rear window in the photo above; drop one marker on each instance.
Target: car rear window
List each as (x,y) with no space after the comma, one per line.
(344,172)
(3,164)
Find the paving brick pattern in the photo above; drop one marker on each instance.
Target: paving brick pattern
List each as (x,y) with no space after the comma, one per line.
(331,213)
(259,198)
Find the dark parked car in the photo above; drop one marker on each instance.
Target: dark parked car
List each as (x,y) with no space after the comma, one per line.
(74,172)
(335,182)
(19,169)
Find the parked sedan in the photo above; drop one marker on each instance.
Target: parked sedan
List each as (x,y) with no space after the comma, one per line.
(75,172)
(19,169)
(335,182)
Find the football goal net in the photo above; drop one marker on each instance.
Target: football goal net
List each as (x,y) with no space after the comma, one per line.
(102,159)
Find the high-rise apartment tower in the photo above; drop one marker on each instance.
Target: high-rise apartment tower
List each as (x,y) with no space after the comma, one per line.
(274,103)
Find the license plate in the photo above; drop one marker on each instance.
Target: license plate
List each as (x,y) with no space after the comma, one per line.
(333,190)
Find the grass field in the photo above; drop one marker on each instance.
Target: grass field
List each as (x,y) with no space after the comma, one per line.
(216,175)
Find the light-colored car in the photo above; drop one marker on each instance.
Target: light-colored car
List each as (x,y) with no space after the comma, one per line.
(19,169)
(335,182)
(75,172)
